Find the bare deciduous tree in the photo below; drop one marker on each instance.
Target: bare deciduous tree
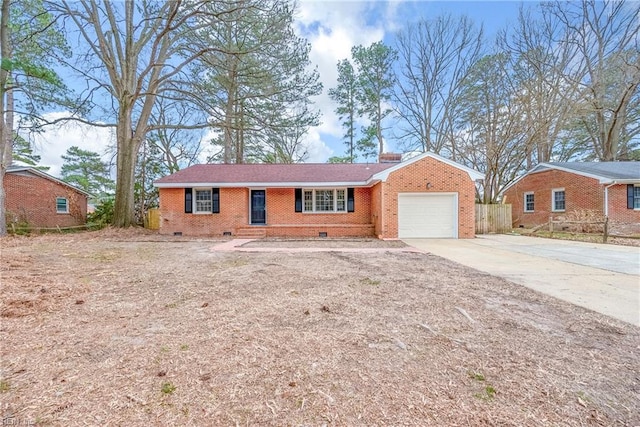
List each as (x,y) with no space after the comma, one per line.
(490,129)
(606,37)
(435,58)
(135,52)
(542,57)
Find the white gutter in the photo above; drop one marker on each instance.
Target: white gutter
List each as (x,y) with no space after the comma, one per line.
(606,198)
(324,184)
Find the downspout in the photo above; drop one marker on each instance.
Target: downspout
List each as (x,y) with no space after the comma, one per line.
(606,198)
(383,226)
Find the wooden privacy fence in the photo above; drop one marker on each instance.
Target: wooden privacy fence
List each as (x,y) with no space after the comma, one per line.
(493,219)
(152,219)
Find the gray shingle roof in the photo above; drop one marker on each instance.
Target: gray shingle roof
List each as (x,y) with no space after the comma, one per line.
(611,170)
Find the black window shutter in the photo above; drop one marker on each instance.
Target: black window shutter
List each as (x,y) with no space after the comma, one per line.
(215,200)
(350,203)
(298,199)
(629,196)
(188,201)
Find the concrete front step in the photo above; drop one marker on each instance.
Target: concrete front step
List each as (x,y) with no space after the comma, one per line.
(250,233)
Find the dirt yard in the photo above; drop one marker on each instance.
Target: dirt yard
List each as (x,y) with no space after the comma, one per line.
(129,328)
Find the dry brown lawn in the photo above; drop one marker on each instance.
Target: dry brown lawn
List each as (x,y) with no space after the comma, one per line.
(129,328)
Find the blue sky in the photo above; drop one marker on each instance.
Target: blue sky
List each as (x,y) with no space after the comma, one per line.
(332,28)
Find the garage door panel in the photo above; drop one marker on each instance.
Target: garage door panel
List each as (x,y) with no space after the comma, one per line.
(427,215)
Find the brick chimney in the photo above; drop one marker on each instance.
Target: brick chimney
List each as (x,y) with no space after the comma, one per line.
(390,158)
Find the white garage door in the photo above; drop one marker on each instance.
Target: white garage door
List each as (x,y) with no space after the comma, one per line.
(427,215)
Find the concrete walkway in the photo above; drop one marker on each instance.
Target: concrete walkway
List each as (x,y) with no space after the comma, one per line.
(237,245)
(603,278)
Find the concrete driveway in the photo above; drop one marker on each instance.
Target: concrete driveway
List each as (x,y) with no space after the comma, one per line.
(603,278)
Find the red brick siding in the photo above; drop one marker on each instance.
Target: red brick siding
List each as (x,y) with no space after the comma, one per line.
(32,198)
(443,178)
(234,211)
(581,193)
(376,214)
(618,210)
(281,204)
(282,220)
(366,220)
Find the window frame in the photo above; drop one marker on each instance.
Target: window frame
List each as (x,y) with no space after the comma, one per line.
(554,207)
(636,199)
(195,201)
(334,196)
(66,205)
(524,202)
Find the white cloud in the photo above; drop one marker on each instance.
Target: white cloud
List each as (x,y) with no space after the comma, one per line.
(317,150)
(55,140)
(331,27)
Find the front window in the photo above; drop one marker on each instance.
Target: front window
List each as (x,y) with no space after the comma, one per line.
(308,200)
(557,197)
(62,205)
(636,197)
(529,200)
(341,200)
(325,200)
(203,201)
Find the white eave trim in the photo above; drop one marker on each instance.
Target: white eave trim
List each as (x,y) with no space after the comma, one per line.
(474,175)
(620,181)
(323,184)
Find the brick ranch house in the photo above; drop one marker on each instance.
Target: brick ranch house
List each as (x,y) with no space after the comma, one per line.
(425,196)
(554,189)
(42,201)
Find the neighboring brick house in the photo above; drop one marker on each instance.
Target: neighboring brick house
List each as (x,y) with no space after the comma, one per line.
(39,200)
(425,196)
(553,189)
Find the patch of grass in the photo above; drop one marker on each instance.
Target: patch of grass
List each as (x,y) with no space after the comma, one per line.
(478,376)
(184,347)
(490,391)
(4,386)
(168,388)
(105,256)
(486,394)
(369,281)
(583,399)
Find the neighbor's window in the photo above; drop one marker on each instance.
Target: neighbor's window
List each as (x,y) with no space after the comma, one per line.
(557,200)
(636,197)
(62,205)
(529,204)
(203,201)
(325,200)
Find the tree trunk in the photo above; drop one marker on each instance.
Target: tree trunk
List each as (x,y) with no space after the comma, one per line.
(123,215)
(5,133)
